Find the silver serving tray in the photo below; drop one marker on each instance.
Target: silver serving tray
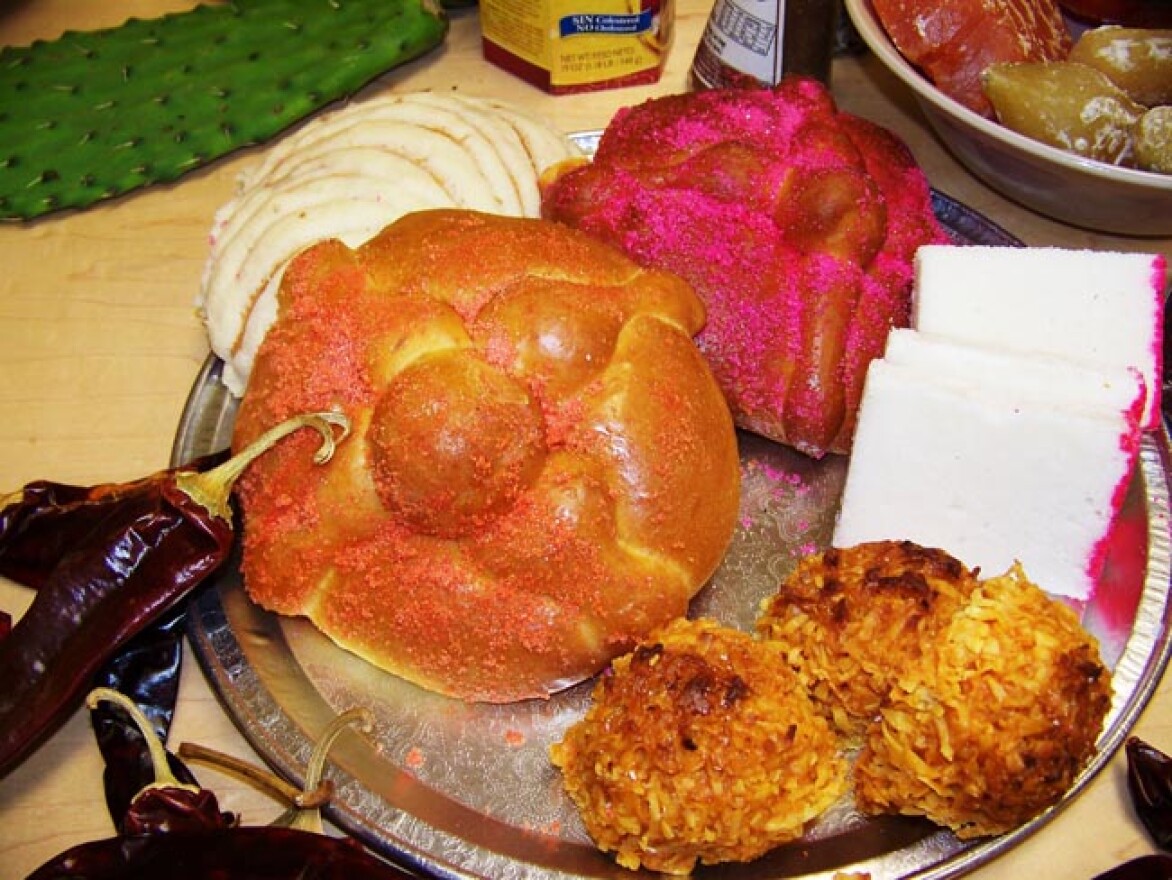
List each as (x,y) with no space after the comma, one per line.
(466,791)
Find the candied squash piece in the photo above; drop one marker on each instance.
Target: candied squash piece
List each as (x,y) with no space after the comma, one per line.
(1153,140)
(953,41)
(1069,106)
(1138,60)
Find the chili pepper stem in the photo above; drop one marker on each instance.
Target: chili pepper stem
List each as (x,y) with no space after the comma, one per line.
(164,778)
(261,778)
(308,818)
(305,804)
(211,489)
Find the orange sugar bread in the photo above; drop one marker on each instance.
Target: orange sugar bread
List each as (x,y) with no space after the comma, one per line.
(542,467)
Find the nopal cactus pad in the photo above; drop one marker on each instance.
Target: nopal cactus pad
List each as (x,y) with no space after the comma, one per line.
(93,115)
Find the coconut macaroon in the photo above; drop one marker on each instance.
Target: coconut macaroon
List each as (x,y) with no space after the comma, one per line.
(997,718)
(699,746)
(849,620)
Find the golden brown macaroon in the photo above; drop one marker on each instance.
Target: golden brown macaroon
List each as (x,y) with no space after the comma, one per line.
(542,468)
(700,745)
(997,719)
(850,619)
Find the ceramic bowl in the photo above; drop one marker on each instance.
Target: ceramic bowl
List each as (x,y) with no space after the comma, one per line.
(1061,185)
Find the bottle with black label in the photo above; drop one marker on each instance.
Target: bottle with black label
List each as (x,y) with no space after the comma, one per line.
(762,40)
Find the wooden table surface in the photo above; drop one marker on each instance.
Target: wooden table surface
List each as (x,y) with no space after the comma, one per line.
(100,344)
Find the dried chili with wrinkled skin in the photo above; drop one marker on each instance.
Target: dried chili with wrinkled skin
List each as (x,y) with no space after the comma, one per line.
(1149,786)
(44,520)
(162,538)
(38,526)
(147,671)
(143,557)
(252,851)
(166,805)
(1152,867)
(176,830)
(1149,783)
(167,801)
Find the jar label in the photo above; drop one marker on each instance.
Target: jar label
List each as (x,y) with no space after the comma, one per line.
(575,45)
(742,37)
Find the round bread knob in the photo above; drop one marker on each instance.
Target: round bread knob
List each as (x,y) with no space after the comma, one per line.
(453,440)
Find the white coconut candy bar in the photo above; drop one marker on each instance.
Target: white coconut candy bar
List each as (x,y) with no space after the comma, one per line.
(1102,308)
(990,474)
(1034,379)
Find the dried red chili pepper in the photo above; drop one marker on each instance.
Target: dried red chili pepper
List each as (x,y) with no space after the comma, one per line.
(1149,783)
(1151,867)
(166,803)
(161,539)
(176,831)
(42,521)
(251,851)
(146,671)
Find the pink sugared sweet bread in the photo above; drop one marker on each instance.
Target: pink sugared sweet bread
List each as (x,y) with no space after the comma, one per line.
(542,468)
(795,222)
